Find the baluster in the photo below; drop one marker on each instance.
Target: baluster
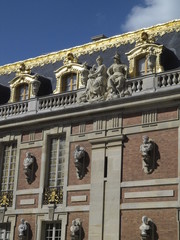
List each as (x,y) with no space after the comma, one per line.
(74,98)
(25,107)
(20,108)
(66,100)
(62,102)
(43,104)
(168,77)
(133,86)
(10,110)
(178,77)
(16,109)
(71,99)
(4,111)
(174,79)
(13,109)
(50,103)
(58,101)
(139,86)
(54,102)
(164,81)
(46,104)
(7,111)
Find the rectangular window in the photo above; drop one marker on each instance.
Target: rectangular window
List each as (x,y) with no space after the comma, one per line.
(8,167)
(5,231)
(56,162)
(69,82)
(53,231)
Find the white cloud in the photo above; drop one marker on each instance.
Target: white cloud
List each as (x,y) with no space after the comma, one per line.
(154,12)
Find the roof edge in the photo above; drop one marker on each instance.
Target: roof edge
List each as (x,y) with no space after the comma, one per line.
(89,48)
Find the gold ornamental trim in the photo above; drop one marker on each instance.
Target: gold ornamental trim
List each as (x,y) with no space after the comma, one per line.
(89,48)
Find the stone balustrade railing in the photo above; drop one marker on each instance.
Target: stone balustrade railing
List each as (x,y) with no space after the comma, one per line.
(14,109)
(57,101)
(168,79)
(144,84)
(135,85)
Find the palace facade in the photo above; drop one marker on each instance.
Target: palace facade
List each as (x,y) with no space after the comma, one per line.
(90,140)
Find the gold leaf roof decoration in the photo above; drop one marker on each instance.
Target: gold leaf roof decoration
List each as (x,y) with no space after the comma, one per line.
(89,48)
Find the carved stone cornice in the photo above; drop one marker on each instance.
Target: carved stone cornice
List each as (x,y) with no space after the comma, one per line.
(89,48)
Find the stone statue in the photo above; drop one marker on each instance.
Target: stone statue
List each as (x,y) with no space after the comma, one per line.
(75,229)
(145,228)
(84,74)
(147,152)
(151,60)
(29,167)
(97,81)
(117,75)
(22,229)
(79,156)
(35,86)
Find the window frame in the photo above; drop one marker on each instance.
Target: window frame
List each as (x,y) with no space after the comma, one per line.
(50,139)
(73,83)
(26,92)
(9,185)
(53,223)
(6,227)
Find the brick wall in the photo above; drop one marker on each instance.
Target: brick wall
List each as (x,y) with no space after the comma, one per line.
(150,199)
(26,197)
(167,142)
(164,219)
(168,114)
(78,193)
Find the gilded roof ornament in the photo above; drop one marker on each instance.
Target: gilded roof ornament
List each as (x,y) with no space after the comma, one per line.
(89,48)
(23,69)
(70,58)
(145,38)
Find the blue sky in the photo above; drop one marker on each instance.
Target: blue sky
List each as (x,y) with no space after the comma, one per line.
(29,28)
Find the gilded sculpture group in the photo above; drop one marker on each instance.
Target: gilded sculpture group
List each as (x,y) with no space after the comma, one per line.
(102,83)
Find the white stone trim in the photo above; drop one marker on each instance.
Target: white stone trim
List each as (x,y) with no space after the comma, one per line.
(78,187)
(148,205)
(153,182)
(82,198)
(27,201)
(149,194)
(83,208)
(29,191)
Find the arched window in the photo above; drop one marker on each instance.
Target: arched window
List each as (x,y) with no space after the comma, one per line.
(69,82)
(22,92)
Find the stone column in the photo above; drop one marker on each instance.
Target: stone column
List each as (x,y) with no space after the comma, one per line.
(112,190)
(97,191)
